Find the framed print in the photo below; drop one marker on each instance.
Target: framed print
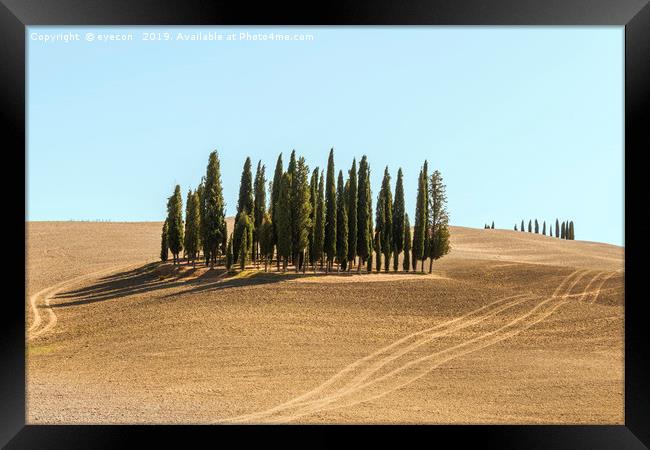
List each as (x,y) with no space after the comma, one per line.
(415,218)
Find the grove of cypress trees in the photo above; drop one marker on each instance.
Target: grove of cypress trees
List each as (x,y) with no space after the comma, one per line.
(352,200)
(386,230)
(341,224)
(330,212)
(301,206)
(407,244)
(536,227)
(244,203)
(175,223)
(420,225)
(364,215)
(398,219)
(259,205)
(164,246)
(557,228)
(213,219)
(192,224)
(275,192)
(266,240)
(283,215)
(439,219)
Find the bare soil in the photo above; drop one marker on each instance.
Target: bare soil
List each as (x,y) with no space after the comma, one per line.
(510,327)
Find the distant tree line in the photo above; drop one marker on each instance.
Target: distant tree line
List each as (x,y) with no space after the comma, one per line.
(313,219)
(562,231)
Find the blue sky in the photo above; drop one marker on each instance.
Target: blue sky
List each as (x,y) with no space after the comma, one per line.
(523,122)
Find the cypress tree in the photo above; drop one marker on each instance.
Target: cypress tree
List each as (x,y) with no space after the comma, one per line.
(398,219)
(386,230)
(229,256)
(515,227)
(330,212)
(369,229)
(244,229)
(199,193)
(301,206)
(364,216)
(352,214)
(266,240)
(259,205)
(439,218)
(544,228)
(192,223)
(522,225)
(283,215)
(530,226)
(313,189)
(275,192)
(291,170)
(420,224)
(175,223)
(563,232)
(244,203)
(378,249)
(557,228)
(341,224)
(550,230)
(536,227)
(213,220)
(164,246)
(319,233)
(493,224)
(407,244)
(427,224)
(571,232)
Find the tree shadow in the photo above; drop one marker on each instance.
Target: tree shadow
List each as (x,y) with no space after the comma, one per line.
(148,278)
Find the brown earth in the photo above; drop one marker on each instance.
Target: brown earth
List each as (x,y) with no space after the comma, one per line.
(511,327)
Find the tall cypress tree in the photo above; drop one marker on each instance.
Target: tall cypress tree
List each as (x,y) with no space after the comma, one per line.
(386,219)
(175,223)
(291,170)
(571,231)
(427,218)
(420,225)
(522,225)
(369,230)
(330,212)
(493,224)
(283,215)
(364,216)
(530,226)
(407,244)
(275,193)
(244,229)
(259,206)
(164,246)
(536,227)
(213,219)
(192,223)
(557,228)
(319,233)
(266,240)
(398,219)
(244,203)
(199,193)
(313,189)
(563,232)
(550,230)
(439,219)
(352,214)
(341,224)
(301,205)
(544,228)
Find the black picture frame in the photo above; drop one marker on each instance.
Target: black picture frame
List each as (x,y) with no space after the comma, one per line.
(15,15)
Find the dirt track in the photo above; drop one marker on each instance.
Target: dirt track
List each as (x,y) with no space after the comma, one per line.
(510,328)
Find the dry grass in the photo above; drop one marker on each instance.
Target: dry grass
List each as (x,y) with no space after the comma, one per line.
(156,344)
